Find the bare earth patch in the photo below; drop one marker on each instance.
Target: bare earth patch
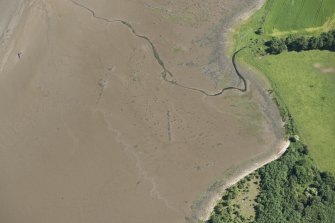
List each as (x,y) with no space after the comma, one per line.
(323,69)
(94,127)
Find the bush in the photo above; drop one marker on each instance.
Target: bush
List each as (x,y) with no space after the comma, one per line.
(259,31)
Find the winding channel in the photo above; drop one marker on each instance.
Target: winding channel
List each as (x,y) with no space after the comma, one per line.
(202,208)
(166,74)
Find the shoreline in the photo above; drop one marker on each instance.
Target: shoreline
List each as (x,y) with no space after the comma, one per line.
(219,187)
(255,163)
(232,180)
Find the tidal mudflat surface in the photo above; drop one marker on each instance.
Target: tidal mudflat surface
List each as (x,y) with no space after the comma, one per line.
(111,110)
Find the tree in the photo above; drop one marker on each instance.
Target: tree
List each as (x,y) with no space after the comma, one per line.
(303,42)
(259,31)
(313,43)
(276,46)
(290,39)
(299,43)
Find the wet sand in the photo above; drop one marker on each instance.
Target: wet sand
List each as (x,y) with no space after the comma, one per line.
(91,131)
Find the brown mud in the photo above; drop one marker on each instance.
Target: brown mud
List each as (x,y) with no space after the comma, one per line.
(114,111)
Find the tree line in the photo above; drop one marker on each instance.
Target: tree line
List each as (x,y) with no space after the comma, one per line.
(292,189)
(293,42)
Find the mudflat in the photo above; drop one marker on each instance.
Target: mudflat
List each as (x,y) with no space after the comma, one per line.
(106,116)
(8,9)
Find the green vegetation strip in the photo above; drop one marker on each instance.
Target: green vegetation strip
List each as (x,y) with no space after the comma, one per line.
(304,81)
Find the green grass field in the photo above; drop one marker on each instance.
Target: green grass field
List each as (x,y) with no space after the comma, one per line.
(283,16)
(304,80)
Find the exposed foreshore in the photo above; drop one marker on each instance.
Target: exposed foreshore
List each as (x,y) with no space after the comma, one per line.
(10,15)
(234,178)
(93,125)
(203,208)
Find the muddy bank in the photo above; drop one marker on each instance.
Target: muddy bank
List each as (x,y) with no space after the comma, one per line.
(203,207)
(94,127)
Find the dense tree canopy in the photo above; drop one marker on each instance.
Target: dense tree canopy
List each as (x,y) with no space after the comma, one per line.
(325,41)
(291,190)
